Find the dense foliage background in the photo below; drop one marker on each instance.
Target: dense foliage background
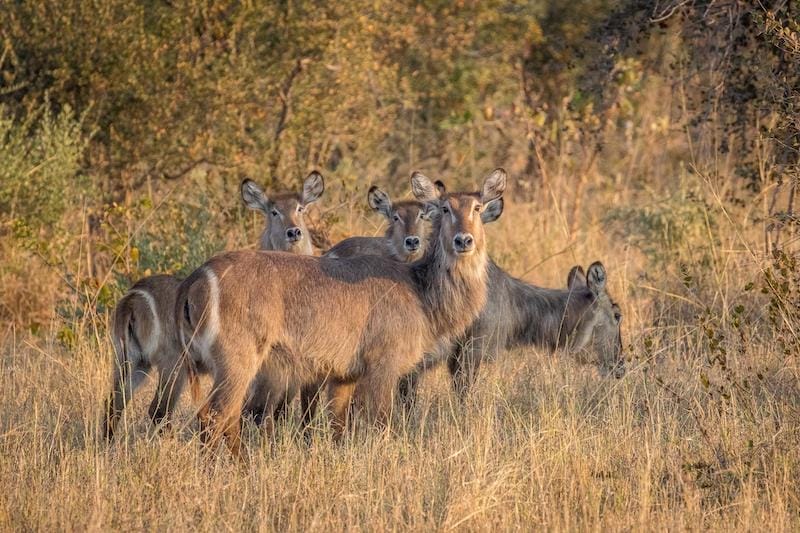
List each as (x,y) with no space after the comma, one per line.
(660,136)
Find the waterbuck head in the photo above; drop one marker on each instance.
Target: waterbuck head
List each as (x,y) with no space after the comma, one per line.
(409,224)
(285,223)
(460,216)
(599,330)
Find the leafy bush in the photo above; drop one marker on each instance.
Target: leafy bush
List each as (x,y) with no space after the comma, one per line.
(667,230)
(40,178)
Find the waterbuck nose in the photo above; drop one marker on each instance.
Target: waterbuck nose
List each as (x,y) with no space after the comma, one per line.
(463,242)
(412,243)
(294,234)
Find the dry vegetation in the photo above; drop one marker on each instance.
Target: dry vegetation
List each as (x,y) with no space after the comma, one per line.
(543,442)
(693,219)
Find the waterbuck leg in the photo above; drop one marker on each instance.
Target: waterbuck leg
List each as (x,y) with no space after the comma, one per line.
(257,404)
(341,397)
(171,381)
(221,416)
(309,401)
(281,411)
(220,419)
(409,385)
(125,382)
(463,365)
(375,393)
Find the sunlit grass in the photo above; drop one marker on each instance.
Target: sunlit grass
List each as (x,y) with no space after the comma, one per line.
(543,442)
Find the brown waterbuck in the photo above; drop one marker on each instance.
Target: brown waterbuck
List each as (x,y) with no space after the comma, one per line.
(285,228)
(405,238)
(143,325)
(364,321)
(582,319)
(272,390)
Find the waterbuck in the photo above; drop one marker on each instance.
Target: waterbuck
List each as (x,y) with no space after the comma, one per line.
(405,238)
(582,319)
(272,390)
(143,325)
(285,228)
(363,322)
(143,335)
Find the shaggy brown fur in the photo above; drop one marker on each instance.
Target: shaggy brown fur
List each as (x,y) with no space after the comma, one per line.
(365,321)
(273,388)
(583,319)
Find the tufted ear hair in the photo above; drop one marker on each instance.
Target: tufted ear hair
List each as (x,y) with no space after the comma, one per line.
(576,279)
(423,188)
(494,185)
(492,210)
(253,197)
(313,187)
(596,278)
(380,201)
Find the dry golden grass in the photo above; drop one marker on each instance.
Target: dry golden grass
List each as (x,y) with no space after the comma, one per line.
(543,443)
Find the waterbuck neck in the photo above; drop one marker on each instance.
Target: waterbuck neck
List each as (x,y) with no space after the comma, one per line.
(538,316)
(453,289)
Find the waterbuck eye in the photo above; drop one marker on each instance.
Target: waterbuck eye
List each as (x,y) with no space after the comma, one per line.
(445,209)
(617,316)
(396,218)
(477,208)
(300,209)
(275,213)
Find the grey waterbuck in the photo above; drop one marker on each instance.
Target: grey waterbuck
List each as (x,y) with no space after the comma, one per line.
(143,325)
(405,238)
(582,319)
(143,335)
(364,321)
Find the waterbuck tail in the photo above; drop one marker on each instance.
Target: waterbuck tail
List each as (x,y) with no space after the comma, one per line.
(131,319)
(190,305)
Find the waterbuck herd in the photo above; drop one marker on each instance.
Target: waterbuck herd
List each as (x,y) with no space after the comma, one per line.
(358,325)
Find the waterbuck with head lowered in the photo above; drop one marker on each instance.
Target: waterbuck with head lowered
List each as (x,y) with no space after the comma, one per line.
(143,324)
(364,321)
(405,238)
(582,319)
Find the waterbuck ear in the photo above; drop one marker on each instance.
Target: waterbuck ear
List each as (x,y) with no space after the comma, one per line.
(492,210)
(253,197)
(380,201)
(596,278)
(617,312)
(493,185)
(423,188)
(313,187)
(440,186)
(576,279)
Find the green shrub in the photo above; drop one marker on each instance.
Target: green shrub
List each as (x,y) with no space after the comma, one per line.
(40,176)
